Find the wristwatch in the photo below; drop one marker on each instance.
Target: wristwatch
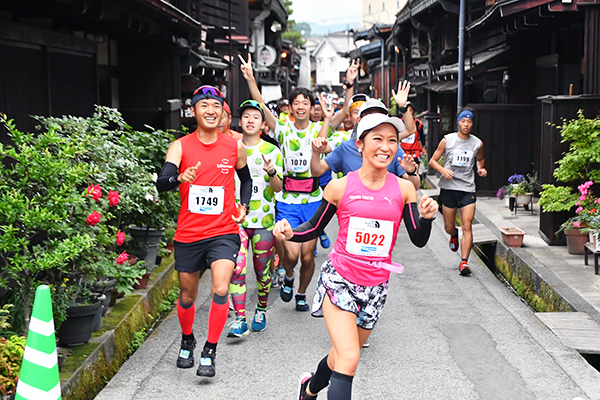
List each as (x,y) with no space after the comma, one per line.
(247,208)
(403,109)
(414,173)
(348,85)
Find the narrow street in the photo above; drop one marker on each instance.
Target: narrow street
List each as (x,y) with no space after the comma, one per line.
(441,336)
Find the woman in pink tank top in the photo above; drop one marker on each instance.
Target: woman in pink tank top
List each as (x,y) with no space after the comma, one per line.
(352,288)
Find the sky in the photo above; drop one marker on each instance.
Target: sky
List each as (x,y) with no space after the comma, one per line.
(321,14)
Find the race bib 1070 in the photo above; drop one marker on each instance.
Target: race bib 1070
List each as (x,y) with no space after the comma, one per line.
(206,199)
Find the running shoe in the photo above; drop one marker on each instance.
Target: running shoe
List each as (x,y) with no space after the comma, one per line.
(463,268)
(366,345)
(185,359)
(303,385)
(281,276)
(239,328)
(325,242)
(274,278)
(259,322)
(276,260)
(301,303)
(207,363)
(315,251)
(454,241)
(287,290)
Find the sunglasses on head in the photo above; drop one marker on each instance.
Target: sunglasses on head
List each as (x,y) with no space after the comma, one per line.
(211,90)
(252,103)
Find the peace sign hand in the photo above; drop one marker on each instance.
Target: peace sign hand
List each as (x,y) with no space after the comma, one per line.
(246,67)
(327,112)
(352,71)
(401,97)
(268,166)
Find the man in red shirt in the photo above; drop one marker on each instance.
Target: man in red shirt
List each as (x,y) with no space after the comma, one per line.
(207,234)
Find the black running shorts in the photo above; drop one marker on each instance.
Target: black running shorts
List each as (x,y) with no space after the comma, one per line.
(198,256)
(456,198)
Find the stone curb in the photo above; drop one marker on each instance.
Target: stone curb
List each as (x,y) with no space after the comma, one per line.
(92,365)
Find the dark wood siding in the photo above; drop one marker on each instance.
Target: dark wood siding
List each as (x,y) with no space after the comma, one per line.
(507,134)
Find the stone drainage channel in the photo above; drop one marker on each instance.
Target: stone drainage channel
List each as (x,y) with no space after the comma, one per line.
(488,253)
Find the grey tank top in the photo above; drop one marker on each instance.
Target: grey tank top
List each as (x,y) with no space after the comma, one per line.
(460,157)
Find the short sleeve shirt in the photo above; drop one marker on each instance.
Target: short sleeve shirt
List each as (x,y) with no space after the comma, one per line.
(262,202)
(296,148)
(345,158)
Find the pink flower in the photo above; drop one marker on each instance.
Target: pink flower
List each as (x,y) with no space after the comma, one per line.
(113,198)
(122,258)
(582,197)
(578,210)
(93,218)
(120,238)
(94,191)
(578,203)
(597,201)
(576,224)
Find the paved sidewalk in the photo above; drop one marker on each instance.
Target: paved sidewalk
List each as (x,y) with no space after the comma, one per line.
(566,272)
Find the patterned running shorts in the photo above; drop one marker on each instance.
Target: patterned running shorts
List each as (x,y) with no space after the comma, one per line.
(365,301)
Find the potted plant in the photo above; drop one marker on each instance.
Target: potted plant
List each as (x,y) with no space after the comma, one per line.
(12,347)
(578,165)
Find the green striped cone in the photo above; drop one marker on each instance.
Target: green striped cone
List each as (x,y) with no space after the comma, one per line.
(39,378)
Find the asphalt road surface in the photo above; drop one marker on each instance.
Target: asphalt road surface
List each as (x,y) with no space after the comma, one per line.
(441,336)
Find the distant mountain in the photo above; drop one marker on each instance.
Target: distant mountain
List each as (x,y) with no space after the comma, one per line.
(320,30)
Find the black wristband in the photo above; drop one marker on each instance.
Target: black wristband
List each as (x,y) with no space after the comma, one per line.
(403,109)
(414,173)
(173,180)
(247,208)
(348,85)
(273,174)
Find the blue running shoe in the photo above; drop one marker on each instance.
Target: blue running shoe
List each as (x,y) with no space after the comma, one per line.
(286,291)
(259,323)
(301,303)
(315,251)
(239,328)
(325,242)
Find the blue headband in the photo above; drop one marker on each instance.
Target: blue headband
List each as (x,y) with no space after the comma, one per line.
(465,114)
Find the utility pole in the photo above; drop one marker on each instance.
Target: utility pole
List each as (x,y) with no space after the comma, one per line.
(461,53)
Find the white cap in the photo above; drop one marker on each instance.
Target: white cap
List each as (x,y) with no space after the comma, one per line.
(373,103)
(371,121)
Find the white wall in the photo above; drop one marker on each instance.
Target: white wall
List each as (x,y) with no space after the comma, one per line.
(381,12)
(329,66)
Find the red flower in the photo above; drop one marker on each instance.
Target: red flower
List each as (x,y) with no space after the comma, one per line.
(94,191)
(122,258)
(113,198)
(120,238)
(93,218)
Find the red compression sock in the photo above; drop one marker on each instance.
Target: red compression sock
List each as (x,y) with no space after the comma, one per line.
(217,317)
(186,318)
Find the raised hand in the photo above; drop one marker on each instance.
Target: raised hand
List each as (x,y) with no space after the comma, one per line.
(352,71)
(189,175)
(246,67)
(428,207)
(326,111)
(283,230)
(268,166)
(319,144)
(401,97)
(407,163)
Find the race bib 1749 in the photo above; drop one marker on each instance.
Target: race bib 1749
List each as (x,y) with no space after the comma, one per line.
(206,199)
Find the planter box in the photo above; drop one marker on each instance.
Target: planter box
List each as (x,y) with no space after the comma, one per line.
(512,236)
(594,240)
